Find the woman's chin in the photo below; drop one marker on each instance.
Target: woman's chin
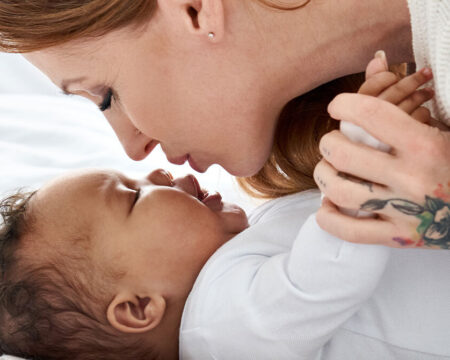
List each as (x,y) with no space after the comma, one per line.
(244,170)
(248,162)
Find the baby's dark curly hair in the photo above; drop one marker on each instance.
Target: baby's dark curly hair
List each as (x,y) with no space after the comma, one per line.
(50,310)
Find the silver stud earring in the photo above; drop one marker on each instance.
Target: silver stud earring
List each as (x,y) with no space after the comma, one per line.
(211,36)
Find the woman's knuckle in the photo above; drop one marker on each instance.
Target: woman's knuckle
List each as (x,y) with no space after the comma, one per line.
(441,144)
(317,171)
(324,143)
(431,144)
(337,195)
(435,144)
(368,107)
(341,159)
(419,186)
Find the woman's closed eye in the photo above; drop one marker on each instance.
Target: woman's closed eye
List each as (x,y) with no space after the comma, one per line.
(107,101)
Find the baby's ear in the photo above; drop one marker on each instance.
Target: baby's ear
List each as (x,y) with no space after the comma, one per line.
(130,313)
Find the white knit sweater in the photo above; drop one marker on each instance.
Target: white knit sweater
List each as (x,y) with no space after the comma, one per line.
(430,21)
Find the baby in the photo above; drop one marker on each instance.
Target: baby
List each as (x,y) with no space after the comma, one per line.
(96,265)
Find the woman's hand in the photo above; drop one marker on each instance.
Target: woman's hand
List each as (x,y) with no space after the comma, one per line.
(408,188)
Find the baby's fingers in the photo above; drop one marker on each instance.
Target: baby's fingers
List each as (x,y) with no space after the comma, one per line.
(422,114)
(406,87)
(416,100)
(378,83)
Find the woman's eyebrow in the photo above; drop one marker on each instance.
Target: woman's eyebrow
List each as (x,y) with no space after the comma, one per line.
(65,84)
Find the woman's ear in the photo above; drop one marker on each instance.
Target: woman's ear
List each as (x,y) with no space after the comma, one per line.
(205,18)
(130,313)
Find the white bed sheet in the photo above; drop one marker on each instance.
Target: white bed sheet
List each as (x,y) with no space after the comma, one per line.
(44,134)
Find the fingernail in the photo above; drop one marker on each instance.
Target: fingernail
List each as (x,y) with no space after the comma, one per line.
(380,54)
(427,72)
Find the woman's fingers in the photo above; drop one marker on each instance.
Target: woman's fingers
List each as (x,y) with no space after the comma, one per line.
(365,231)
(346,191)
(385,121)
(349,157)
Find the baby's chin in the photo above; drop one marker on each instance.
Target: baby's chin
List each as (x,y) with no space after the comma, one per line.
(234,218)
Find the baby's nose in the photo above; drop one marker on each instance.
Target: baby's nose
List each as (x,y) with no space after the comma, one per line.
(161,177)
(190,185)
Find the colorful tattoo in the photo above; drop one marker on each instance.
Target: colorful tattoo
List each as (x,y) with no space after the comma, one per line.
(434,228)
(404,242)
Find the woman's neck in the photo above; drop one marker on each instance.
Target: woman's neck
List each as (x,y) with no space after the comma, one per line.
(328,39)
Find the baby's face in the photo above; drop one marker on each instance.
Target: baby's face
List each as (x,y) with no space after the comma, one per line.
(154,230)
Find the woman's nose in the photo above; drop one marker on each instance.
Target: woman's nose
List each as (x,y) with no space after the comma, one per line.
(139,148)
(136,144)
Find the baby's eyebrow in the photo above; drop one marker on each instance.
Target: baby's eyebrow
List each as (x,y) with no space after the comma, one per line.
(109,184)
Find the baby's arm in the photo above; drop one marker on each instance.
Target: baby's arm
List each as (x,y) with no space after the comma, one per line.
(287,305)
(316,288)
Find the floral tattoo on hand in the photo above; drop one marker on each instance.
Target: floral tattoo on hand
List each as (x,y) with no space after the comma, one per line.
(434,227)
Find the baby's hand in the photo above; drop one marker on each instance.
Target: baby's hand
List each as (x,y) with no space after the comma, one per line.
(404,93)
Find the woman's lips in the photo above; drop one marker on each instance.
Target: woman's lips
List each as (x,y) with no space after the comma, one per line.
(194,165)
(179,160)
(182,159)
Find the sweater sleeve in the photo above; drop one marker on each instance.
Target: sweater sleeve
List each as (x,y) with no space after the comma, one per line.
(430,23)
(289,305)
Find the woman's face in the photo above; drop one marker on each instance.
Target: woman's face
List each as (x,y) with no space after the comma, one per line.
(168,83)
